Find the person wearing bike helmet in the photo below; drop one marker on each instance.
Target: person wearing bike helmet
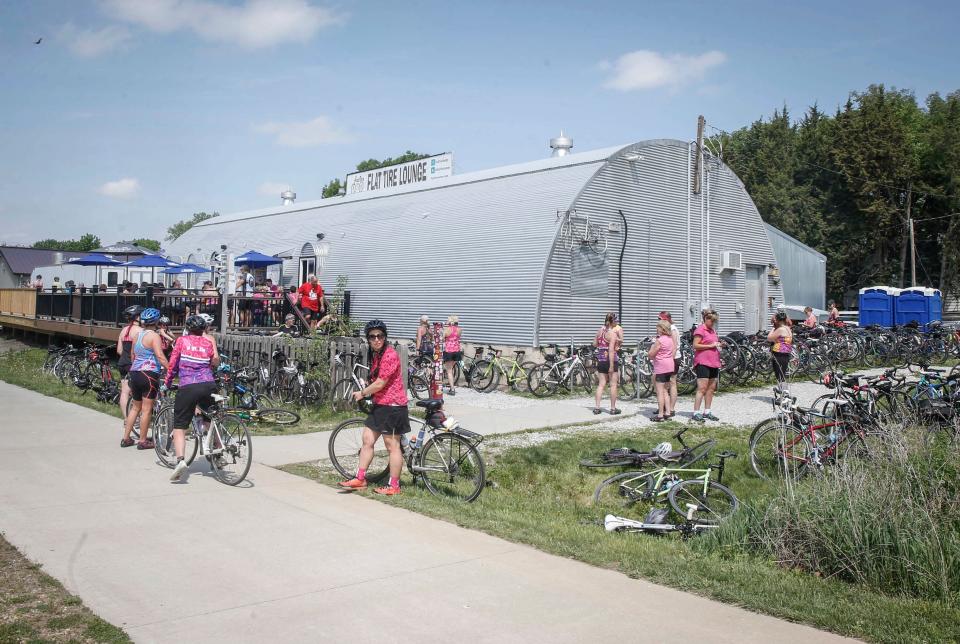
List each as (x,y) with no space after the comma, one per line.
(148,359)
(124,343)
(390,417)
(194,358)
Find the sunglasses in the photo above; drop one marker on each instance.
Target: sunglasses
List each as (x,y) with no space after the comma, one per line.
(376,336)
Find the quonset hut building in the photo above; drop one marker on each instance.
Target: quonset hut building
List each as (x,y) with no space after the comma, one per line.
(532,253)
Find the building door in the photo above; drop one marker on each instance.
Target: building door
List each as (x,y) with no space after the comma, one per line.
(308,266)
(753,299)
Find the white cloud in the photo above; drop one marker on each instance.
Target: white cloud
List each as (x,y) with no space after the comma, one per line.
(644,69)
(272,188)
(93,42)
(120,189)
(305,134)
(253,24)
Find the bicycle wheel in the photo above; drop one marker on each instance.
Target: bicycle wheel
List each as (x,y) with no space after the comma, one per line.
(581,380)
(624,489)
(419,388)
(485,377)
(69,372)
(628,381)
(341,396)
(344,450)
(163,440)
(714,502)
(274,416)
(543,380)
(697,453)
(451,467)
(779,450)
(231,466)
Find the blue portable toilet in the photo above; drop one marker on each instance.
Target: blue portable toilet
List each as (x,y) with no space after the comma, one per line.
(877,305)
(934,304)
(910,305)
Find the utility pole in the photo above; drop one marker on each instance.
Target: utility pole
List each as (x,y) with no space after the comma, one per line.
(913,257)
(698,163)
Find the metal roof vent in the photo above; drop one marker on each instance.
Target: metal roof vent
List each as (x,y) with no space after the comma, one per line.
(561,145)
(288,197)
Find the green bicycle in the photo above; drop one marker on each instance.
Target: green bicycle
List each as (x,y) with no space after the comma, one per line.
(682,486)
(487,373)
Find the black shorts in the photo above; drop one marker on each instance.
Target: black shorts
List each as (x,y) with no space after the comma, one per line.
(604,367)
(452,356)
(676,367)
(663,377)
(309,314)
(703,371)
(124,370)
(388,419)
(144,384)
(187,400)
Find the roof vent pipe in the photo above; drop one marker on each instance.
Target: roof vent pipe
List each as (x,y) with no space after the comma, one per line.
(288,197)
(561,145)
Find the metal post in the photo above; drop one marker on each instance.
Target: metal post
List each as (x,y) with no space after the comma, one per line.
(913,257)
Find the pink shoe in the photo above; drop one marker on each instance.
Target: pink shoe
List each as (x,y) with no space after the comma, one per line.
(386,490)
(353,484)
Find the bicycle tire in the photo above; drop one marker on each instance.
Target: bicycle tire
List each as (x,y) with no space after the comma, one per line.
(418,386)
(697,453)
(628,382)
(485,377)
(163,440)
(773,456)
(277,416)
(452,467)
(610,489)
(542,381)
(718,500)
(521,381)
(341,396)
(623,462)
(237,451)
(343,448)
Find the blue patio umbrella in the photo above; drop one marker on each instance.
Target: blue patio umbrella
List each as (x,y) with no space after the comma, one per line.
(94,259)
(152,262)
(253,259)
(186,269)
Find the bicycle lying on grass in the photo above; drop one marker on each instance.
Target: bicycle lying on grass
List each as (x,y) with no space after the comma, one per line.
(441,453)
(688,528)
(661,454)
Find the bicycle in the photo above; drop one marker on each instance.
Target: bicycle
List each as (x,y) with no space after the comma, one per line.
(626,457)
(688,528)
(441,452)
(569,373)
(680,486)
(488,372)
(223,440)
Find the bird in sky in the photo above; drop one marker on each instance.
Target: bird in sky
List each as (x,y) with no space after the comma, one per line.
(38,41)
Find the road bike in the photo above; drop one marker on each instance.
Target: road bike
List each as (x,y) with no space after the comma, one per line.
(627,457)
(220,437)
(488,372)
(679,485)
(570,373)
(440,452)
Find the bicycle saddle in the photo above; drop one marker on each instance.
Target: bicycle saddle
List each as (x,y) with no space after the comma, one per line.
(431,405)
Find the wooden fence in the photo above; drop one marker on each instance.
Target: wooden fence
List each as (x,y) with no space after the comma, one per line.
(18,301)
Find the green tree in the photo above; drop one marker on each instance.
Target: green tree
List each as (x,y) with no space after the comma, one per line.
(333,187)
(85,244)
(183,226)
(149,244)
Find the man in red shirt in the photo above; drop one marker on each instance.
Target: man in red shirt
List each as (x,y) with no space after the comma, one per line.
(311,294)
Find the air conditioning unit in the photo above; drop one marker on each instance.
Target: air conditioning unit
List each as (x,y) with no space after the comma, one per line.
(731,260)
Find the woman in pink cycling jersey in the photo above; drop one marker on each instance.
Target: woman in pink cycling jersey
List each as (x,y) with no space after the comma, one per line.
(706,364)
(194,358)
(452,351)
(661,353)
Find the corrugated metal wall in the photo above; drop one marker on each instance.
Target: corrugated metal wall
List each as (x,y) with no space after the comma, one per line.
(803,271)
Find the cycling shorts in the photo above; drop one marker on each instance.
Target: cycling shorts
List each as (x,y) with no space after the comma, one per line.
(144,384)
(703,371)
(188,398)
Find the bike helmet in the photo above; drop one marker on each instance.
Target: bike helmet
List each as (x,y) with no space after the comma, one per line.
(163,320)
(207,318)
(195,322)
(132,312)
(149,316)
(372,325)
(663,450)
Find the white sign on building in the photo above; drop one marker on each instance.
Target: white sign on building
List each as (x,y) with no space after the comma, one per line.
(403,174)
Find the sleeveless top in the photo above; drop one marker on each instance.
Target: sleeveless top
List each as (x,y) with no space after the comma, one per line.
(191,360)
(783,344)
(663,360)
(144,359)
(603,347)
(127,344)
(452,342)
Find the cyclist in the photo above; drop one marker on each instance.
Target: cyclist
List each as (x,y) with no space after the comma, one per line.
(148,358)
(608,341)
(706,364)
(390,417)
(782,339)
(675,336)
(452,351)
(194,358)
(289,327)
(661,353)
(166,339)
(424,338)
(124,343)
(811,321)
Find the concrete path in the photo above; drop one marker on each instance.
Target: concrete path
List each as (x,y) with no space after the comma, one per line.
(283,559)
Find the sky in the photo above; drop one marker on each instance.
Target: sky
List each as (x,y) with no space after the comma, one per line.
(131,115)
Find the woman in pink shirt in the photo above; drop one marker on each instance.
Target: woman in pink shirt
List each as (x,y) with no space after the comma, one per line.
(811,321)
(452,351)
(706,364)
(661,353)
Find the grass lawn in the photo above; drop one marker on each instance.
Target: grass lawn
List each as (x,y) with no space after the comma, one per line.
(543,498)
(22,368)
(34,607)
